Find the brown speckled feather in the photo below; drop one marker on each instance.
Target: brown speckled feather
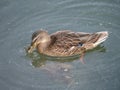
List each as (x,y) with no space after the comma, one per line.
(66,43)
(67,39)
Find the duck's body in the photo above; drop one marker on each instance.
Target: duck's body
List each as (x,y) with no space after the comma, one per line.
(65,43)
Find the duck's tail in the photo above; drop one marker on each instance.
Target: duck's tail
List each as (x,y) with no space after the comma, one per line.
(102,36)
(95,39)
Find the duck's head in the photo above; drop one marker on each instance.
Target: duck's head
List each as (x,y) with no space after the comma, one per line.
(41,38)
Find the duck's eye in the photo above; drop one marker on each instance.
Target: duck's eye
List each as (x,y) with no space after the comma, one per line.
(80,44)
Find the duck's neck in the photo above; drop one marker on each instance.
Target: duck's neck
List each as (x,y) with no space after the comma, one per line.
(43,46)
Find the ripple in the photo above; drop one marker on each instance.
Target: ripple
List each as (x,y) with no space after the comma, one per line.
(19,22)
(96,4)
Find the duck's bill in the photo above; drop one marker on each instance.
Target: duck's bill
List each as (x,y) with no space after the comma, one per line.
(30,49)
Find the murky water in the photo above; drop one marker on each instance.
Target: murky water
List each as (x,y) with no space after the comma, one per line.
(20,18)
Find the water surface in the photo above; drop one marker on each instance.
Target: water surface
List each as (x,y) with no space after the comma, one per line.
(20,18)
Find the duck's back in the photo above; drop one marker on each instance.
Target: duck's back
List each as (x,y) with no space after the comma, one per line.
(67,43)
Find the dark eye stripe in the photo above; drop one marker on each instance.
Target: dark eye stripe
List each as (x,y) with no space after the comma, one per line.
(36,38)
(33,42)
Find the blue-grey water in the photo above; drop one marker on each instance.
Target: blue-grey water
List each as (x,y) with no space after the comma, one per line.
(20,71)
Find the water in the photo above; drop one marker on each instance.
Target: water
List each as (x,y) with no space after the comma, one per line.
(20,18)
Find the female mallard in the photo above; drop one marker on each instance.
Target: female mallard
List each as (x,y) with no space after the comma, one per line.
(65,43)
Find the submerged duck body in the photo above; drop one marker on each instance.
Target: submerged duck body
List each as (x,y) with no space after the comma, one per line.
(65,42)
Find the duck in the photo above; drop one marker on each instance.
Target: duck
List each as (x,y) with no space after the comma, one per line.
(65,43)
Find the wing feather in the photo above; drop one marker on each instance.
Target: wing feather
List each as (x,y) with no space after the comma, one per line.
(66,39)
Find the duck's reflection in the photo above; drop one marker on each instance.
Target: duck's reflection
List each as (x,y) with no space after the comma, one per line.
(55,68)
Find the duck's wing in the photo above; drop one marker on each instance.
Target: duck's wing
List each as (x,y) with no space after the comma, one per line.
(66,39)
